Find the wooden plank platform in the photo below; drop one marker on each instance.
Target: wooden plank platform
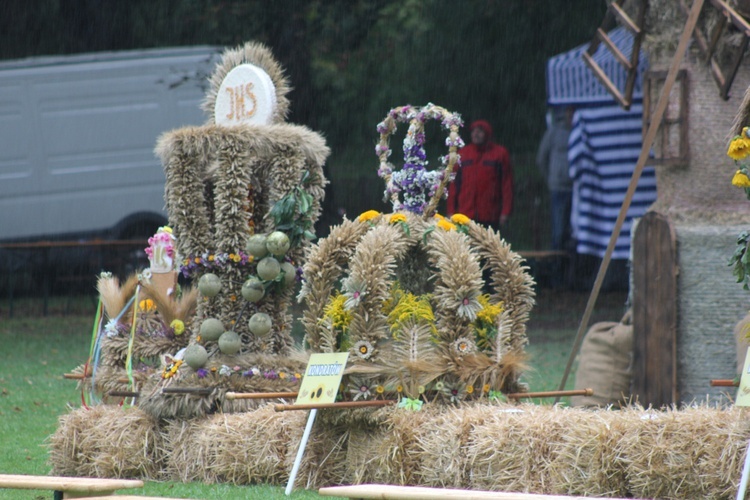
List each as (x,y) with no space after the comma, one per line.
(391,492)
(133,497)
(655,311)
(71,487)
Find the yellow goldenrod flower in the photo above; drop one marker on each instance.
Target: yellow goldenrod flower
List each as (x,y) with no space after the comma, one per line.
(446,225)
(177,326)
(489,312)
(380,389)
(469,389)
(211,258)
(740,180)
(397,218)
(739,148)
(338,315)
(460,219)
(399,389)
(486,388)
(369,215)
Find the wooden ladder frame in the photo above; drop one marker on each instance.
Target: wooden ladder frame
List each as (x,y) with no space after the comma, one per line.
(615,11)
(708,46)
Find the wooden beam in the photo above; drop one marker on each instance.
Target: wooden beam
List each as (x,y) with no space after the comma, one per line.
(725,383)
(551,394)
(393,492)
(260,395)
(624,19)
(344,405)
(733,16)
(733,69)
(621,58)
(201,391)
(602,76)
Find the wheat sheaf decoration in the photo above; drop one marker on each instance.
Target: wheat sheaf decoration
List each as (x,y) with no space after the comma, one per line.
(431,309)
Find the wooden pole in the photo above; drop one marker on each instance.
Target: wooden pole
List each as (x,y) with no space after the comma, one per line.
(551,394)
(260,395)
(81,376)
(725,383)
(648,141)
(341,406)
(124,394)
(187,390)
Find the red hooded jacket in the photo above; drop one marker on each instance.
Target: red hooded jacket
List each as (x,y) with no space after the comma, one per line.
(483,188)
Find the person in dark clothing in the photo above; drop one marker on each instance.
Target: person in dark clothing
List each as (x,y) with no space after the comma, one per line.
(483,188)
(552,162)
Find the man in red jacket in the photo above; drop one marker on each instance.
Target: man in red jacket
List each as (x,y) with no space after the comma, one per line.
(483,188)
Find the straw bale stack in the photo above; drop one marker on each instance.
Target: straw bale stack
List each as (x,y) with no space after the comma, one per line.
(325,460)
(584,461)
(392,452)
(242,448)
(107,441)
(443,443)
(513,448)
(696,452)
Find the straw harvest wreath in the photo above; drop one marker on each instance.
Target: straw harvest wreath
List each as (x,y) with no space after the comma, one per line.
(404,292)
(242,201)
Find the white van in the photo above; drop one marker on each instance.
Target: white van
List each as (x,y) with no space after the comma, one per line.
(77,135)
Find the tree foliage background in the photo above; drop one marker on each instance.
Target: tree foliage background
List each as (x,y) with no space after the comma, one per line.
(350,61)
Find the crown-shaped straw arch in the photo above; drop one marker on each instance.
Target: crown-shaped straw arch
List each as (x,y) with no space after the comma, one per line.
(421,189)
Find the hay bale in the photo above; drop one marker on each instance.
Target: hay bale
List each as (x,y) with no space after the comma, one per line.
(241,448)
(365,462)
(512,449)
(696,452)
(324,462)
(108,442)
(584,461)
(187,456)
(443,442)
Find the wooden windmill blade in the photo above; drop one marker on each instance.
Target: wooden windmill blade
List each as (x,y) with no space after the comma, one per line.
(615,11)
(709,46)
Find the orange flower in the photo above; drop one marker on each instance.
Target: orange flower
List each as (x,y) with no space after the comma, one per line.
(369,215)
(397,218)
(460,219)
(446,225)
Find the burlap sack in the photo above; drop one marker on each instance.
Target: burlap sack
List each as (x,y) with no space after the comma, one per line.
(606,363)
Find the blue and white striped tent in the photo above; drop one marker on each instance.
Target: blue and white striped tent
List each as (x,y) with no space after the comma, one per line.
(605,142)
(603,149)
(571,82)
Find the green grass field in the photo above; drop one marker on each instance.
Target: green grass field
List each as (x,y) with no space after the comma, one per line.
(37,350)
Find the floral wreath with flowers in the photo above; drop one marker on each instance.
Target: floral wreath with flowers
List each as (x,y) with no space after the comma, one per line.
(421,189)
